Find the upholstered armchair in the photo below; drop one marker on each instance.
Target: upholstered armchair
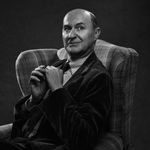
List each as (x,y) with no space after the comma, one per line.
(121,63)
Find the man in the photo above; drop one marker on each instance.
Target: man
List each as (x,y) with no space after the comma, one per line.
(69,105)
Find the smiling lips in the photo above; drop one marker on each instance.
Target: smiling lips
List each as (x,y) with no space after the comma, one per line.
(72,43)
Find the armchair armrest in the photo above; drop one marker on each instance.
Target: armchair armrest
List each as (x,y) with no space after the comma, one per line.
(110,141)
(5,131)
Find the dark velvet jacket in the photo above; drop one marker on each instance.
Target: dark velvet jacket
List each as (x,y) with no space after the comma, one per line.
(73,117)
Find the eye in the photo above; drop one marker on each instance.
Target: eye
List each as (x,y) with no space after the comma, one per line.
(67,28)
(79,28)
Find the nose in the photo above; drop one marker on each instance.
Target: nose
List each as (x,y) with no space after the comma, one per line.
(72,34)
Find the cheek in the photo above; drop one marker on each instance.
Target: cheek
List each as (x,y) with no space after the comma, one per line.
(88,40)
(64,37)
(87,36)
(64,41)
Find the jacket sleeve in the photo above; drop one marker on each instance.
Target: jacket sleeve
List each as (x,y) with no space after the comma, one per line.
(20,110)
(21,115)
(80,121)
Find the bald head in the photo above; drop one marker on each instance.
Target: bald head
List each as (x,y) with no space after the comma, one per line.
(78,12)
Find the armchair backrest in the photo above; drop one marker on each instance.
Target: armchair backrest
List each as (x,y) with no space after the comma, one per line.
(28,60)
(121,63)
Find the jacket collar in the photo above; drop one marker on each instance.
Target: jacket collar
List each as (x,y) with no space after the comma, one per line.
(87,64)
(84,68)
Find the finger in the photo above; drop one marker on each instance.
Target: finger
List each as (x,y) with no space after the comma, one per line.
(52,68)
(42,70)
(42,66)
(49,67)
(34,79)
(38,74)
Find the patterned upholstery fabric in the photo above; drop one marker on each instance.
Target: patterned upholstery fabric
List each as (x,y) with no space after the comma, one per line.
(29,60)
(121,63)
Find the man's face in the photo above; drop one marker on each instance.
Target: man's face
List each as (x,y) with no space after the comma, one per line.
(78,34)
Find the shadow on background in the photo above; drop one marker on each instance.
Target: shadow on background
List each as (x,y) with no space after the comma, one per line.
(27,25)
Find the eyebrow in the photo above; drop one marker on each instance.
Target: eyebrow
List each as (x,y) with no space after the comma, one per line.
(68,25)
(80,23)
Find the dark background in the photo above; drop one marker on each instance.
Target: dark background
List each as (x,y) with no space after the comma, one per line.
(37,24)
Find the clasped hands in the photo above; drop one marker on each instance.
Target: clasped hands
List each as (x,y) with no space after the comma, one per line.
(43,78)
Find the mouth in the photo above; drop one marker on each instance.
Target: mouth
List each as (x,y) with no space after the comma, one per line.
(73,43)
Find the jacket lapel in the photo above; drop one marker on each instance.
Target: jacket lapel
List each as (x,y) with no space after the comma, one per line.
(78,75)
(84,68)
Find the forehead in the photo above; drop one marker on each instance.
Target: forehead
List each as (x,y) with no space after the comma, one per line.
(74,18)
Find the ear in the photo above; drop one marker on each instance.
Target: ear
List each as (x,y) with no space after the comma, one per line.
(97,32)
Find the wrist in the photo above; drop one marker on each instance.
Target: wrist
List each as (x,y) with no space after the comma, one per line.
(56,88)
(29,104)
(30,100)
(35,100)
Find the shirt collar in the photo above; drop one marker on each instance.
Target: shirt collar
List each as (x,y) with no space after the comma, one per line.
(77,63)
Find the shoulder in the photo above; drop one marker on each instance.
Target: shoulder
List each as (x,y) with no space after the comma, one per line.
(97,77)
(98,69)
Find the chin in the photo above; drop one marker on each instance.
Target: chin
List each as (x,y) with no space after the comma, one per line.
(73,50)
